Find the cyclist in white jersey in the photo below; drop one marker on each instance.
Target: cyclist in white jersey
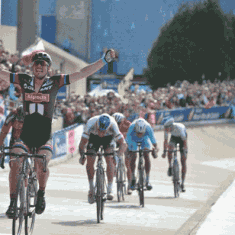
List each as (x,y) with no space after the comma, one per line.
(178,135)
(100,130)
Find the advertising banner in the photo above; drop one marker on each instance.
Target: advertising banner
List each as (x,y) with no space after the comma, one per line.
(213,113)
(73,139)
(59,144)
(194,114)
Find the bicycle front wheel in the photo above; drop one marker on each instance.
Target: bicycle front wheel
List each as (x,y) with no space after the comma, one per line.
(99,194)
(176,179)
(141,187)
(176,189)
(31,199)
(120,188)
(17,222)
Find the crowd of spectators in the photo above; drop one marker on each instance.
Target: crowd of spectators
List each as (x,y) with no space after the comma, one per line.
(139,103)
(134,103)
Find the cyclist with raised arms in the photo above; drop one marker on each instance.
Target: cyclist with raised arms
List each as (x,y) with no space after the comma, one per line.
(178,135)
(39,95)
(141,131)
(124,125)
(100,130)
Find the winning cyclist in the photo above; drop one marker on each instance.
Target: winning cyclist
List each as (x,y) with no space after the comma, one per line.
(39,95)
(141,131)
(124,125)
(100,130)
(178,135)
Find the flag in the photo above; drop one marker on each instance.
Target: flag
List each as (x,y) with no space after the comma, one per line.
(38,46)
(126,82)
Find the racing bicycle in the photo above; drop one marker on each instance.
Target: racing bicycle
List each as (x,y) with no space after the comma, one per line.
(141,184)
(175,172)
(100,186)
(26,191)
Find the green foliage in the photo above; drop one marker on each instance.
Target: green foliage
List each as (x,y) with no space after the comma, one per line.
(198,40)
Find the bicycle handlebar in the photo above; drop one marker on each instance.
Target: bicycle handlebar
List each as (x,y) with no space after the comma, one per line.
(142,150)
(99,154)
(19,155)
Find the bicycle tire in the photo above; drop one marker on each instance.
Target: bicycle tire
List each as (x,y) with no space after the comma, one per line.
(141,187)
(176,189)
(102,194)
(176,179)
(120,183)
(98,195)
(20,201)
(123,183)
(31,196)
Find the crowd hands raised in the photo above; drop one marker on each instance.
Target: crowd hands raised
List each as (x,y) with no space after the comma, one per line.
(138,103)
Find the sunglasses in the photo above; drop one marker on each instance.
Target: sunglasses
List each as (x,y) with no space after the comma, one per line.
(41,62)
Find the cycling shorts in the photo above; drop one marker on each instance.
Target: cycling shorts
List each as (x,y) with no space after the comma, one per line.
(95,142)
(20,144)
(174,140)
(145,144)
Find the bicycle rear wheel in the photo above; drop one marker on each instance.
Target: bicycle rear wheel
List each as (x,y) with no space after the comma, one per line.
(31,199)
(17,222)
(141,187)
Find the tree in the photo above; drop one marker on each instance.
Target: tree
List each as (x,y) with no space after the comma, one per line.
(191,44)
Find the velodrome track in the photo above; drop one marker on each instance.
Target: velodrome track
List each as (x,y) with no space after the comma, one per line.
(210,171)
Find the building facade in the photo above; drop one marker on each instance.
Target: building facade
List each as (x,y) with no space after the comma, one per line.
(85,28)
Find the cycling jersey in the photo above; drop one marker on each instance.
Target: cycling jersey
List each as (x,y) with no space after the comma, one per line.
(146,139)
(92,128)
(38,107)
(178,130)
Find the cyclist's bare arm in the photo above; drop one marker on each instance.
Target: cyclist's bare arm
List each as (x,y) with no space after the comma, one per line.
(5,75)
(5,130)
(82,145)
(86,71)
(89,69)
(165,147)
(185,144)
(122,146)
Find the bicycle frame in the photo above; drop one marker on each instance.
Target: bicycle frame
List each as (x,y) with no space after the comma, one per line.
(100,186)
(175,171)
(141,186)
(27,182)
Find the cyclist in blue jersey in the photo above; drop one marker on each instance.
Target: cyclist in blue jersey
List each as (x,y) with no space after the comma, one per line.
(141,131)
(39,94)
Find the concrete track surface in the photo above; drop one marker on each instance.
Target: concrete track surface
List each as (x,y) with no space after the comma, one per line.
(210,172)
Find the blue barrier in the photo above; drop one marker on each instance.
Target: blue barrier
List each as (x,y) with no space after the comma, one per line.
(191,114)
(194,114)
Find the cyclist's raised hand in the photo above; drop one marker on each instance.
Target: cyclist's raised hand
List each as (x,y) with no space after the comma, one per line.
(110,55)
